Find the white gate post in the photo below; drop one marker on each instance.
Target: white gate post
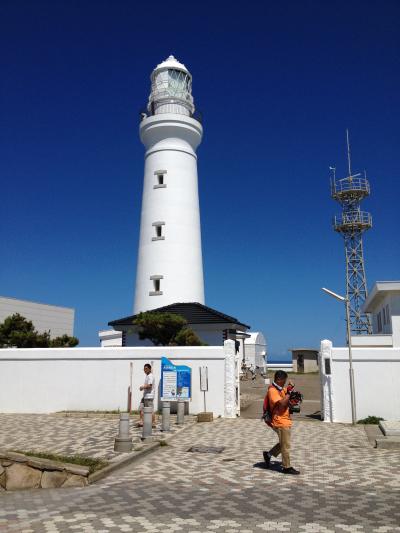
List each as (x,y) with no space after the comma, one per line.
(327,395)
(230,380)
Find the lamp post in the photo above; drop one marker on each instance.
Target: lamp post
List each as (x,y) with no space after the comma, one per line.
(351,371)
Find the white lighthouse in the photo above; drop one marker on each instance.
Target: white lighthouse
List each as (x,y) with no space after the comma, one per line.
(170,267)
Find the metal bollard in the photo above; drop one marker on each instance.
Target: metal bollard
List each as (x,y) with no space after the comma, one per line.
(123,441)
(147,422)
(180,418)
(166,411)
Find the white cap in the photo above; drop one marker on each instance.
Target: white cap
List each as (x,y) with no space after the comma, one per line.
(170,63)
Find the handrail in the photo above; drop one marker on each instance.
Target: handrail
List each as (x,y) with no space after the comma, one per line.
(144,113)
(350,184)
(353,218)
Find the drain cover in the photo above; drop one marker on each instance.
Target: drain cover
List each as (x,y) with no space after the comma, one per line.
(206,449)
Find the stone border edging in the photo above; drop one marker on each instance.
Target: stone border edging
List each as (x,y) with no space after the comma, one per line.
(19,471)
(125,461)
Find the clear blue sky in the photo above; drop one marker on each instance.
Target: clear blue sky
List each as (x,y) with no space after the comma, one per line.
(277,83)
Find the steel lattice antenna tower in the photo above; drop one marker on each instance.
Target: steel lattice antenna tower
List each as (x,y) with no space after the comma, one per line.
(352,223)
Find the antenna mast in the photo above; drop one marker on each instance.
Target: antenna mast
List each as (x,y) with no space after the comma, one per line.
(348,152)
(352,223)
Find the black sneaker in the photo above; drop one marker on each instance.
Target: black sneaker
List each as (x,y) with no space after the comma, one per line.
(267,458)
(290,470)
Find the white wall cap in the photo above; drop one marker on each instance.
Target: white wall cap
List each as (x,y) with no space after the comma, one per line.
(379,291)
(256,337)
(372,340)
(110,334)
(384,354)
(120,353)
(18,300)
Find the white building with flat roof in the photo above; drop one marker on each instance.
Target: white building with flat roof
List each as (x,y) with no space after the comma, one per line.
(375,360)
(383,303)
(58,320)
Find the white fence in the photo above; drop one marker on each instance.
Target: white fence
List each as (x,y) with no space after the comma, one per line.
(376,380)
(47,380)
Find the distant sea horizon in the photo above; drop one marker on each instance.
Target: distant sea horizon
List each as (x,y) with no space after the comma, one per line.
(276,359)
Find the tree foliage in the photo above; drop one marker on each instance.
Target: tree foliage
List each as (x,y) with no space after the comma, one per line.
(165,329)
(18,332)
(187,337)
(65,341)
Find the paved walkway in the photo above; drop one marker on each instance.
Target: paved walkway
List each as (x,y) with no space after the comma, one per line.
(346,485)
(90,437)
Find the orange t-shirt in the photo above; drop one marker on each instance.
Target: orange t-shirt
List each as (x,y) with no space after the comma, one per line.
(280,417)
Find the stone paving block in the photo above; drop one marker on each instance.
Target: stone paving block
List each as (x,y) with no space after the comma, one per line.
(344,486)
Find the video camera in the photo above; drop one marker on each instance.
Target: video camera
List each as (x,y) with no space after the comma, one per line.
(295,399)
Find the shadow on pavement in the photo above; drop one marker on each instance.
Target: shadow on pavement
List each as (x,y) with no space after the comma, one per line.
(315,416)
(275,466)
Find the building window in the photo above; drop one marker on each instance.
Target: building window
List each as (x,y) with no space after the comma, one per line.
(379,318)
(156,279)
(160,179)
(384,316)
(158,230)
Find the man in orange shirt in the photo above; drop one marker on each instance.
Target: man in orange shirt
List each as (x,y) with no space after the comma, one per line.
(277,402)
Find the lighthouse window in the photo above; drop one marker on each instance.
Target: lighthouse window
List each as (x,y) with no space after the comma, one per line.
(160,179)
(156,285)
(158,229)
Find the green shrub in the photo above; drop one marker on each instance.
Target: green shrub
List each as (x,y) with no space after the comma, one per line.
(370,420)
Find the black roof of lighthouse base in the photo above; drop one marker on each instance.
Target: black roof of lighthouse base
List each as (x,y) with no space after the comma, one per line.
(193,312)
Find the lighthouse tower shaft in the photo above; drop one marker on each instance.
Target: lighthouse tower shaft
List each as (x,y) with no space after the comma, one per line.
(351,224)
(169,267)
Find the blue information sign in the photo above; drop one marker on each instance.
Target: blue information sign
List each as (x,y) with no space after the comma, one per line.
(176,381)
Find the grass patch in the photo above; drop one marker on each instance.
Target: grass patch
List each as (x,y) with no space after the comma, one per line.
(92,463)
(163,443)
(112,412)
(370,420)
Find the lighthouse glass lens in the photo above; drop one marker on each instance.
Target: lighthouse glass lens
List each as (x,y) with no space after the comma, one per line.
(178,83)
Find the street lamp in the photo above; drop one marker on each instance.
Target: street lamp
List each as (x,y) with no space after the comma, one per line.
(351,371)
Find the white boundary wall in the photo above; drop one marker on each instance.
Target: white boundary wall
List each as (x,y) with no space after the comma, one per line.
(47,380)
(376,380)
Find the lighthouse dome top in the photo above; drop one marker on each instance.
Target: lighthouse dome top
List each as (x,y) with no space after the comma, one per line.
(171,89)
(171,63)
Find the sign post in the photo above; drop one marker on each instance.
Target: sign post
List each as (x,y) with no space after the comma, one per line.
(204,417)
(204,383)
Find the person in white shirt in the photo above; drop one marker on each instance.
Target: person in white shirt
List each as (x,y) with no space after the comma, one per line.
(148,393)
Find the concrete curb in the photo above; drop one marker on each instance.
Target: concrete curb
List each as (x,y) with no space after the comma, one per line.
(125,461)
(388,443)
(372,432)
